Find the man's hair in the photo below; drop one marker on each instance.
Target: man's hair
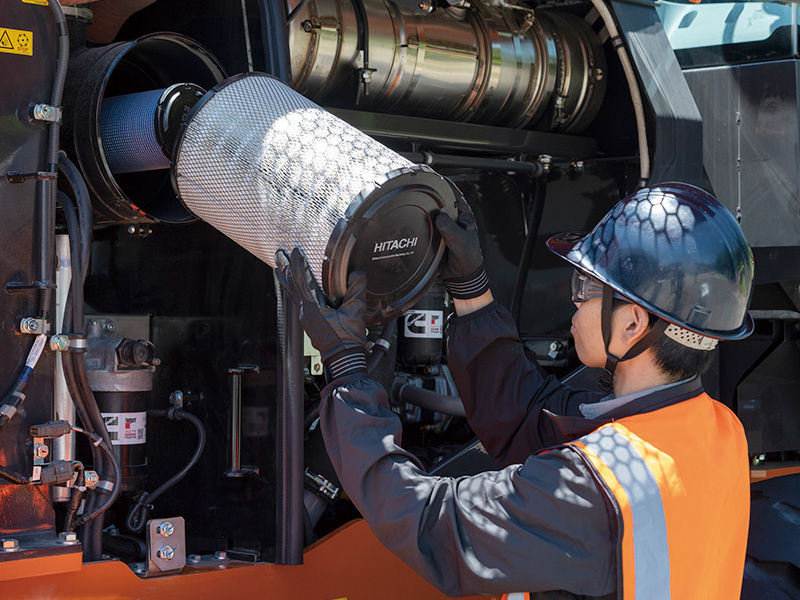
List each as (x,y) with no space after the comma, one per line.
(678,361)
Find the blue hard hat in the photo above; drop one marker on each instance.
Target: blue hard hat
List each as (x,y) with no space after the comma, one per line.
(675,250)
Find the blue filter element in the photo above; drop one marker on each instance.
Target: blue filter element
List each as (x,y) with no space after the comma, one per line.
(127,130)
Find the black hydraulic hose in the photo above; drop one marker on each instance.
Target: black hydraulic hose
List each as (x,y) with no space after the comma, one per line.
(441,403)
(310,417)
(13,476)
(138,514)
(78,492)
(381,345)
(47,188)
(534,169)
(99,443)
(275,34)
(534,223)
(84,206)
(289,510)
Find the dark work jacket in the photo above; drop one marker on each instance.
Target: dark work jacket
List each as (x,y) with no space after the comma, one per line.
(540,524)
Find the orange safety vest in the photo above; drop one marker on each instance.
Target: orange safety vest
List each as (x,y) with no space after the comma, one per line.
(680,481)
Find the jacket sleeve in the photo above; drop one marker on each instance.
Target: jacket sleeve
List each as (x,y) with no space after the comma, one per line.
(540,526)
(503,389)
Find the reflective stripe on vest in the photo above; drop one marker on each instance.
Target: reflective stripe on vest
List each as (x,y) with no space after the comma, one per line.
(636,490)
(680,479)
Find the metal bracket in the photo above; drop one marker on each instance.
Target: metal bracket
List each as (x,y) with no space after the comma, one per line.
(15,287)
(46,113)
(34,326)
(166,546)
(16,177)
(236,468)
(40,451)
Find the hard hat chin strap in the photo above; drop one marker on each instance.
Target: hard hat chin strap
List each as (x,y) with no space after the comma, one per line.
(606,309)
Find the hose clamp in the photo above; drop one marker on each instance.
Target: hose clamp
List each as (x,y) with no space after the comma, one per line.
(78,342)
(105,485)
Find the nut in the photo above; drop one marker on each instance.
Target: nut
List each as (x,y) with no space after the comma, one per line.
(166,528)
(166,552)
(110,326)
(68,537)
(9,544)
(91,478)
(41,451)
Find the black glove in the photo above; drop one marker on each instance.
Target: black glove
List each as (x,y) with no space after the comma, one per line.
(462,270)
(339,334)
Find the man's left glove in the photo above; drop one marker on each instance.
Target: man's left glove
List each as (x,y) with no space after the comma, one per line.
(339,334)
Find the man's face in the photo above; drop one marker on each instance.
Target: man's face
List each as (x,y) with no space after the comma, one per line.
(587,333)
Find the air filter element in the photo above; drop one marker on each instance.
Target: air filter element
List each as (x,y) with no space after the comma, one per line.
(271,169)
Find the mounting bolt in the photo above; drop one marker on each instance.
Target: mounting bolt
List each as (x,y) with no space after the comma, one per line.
(68,538)
(59,343)
(29,325)
(110,326)
(176,399)
(221,555)
(307,26)
(42,112)
(166,528)
(41,451)
(92,479)
(425,6)
(166,552)
(194,559)
(10,544)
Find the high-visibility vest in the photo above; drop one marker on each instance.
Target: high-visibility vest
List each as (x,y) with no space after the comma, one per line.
(679,479)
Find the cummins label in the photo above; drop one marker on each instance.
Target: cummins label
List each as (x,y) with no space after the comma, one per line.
(423,324)
(394,248)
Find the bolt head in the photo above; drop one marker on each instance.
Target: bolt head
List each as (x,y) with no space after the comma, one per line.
(110,326)
(166,528)
(194,558)
(68,537)
(42,451)
(166,552)
(32,324)
(132,229)
(92,479)
(59,343)
(307,26)
(9,544)
(221,555)
(176,398)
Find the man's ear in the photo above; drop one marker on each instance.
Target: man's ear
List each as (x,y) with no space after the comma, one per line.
(635,321)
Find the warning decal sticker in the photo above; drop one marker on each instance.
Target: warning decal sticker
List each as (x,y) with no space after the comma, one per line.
(16,41)
(423,323)
(126,429)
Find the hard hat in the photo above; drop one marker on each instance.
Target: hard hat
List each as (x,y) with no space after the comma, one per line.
(675,250)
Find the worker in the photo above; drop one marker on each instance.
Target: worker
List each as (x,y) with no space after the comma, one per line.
(639,493)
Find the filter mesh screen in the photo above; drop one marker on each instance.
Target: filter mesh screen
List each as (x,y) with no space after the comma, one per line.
(270,169)
(128,133)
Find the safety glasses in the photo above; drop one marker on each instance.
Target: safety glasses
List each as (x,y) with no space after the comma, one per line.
(585,288)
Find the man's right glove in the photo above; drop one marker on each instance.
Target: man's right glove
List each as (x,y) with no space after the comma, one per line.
(462,269)
(339,334)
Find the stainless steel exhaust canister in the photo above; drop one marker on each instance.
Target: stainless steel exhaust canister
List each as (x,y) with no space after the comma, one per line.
(270,169)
